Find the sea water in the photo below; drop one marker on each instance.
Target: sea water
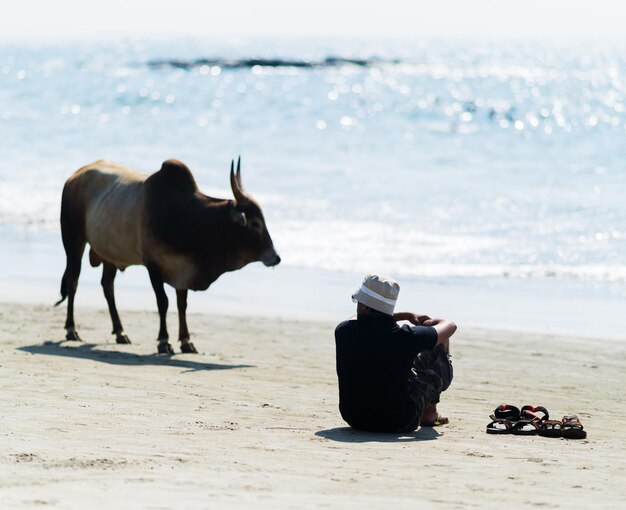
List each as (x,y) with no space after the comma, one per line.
(463,166)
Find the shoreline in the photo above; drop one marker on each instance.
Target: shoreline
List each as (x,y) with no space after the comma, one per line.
(253,420)
(33,264)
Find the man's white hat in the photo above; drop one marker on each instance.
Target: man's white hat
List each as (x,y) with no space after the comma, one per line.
(378,292)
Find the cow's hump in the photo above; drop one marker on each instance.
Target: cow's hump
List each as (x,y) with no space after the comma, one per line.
(174,177)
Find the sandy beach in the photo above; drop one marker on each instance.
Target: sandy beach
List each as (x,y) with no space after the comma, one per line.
(252,421)
(474,155)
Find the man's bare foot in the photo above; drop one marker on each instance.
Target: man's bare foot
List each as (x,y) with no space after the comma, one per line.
(432,418)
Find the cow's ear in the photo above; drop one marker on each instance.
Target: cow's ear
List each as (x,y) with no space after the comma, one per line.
(239,217)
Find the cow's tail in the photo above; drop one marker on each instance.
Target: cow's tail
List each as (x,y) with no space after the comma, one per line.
(63,289)
(64,221)
(73,234)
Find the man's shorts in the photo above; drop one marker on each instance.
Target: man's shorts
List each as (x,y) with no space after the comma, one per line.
(431,374)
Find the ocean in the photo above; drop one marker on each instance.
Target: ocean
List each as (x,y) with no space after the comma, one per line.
(460,169)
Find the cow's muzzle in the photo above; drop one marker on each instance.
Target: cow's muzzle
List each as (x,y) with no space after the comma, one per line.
(271,259)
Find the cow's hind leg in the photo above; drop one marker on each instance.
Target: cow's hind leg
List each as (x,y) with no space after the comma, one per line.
(74,243)
(162,304)
(108,276)
(183,332)
(69,284)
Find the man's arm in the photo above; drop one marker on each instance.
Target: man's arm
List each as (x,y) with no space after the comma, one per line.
(445,329)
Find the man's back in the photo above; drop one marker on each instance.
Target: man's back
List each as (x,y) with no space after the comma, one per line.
(374,359)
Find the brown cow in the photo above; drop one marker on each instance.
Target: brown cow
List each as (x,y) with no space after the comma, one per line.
(162,221)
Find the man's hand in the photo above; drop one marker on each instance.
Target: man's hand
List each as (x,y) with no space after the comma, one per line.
(414,318)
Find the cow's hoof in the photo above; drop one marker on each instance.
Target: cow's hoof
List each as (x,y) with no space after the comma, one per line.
(165,348)
(73,335)
(188,348)
(122,339)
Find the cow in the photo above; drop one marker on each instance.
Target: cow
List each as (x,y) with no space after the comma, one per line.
(163,222)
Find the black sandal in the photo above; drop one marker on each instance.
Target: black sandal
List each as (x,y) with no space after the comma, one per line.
(504,418)
(530,422)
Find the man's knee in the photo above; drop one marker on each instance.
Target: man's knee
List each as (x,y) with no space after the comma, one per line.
(434,368)
(443,366)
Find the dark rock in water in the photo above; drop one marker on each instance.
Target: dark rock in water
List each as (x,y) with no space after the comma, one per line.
(270,62)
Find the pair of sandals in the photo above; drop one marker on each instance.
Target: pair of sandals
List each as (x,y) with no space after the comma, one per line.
(533,420)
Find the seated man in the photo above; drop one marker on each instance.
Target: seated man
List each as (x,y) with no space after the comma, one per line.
(391,376)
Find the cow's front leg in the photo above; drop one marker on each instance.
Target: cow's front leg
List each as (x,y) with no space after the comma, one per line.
(108,277)
(162,304)
(183,332)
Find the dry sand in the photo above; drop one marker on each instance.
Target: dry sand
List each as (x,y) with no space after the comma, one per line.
(252,421)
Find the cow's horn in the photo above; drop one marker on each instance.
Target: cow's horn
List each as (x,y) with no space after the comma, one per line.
(238,175)
(234,184)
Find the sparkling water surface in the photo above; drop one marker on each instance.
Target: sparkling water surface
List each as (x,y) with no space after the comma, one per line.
(438,160)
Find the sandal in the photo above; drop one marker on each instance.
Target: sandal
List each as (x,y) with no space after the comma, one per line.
(572,428)
(530,422)
(504,418)
(439,421)
(551,428)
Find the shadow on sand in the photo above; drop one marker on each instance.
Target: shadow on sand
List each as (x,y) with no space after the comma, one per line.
(349,435)
(90,351)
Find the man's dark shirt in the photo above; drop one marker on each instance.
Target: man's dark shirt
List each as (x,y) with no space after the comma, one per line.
(374,359)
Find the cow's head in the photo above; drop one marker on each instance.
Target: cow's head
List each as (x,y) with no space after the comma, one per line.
(248,216)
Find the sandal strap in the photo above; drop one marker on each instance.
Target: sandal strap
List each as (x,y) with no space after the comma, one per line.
(508,424)
(533,410)
(507,411)
(522,423)
(572,418)
(551,424)
(572,422)
(501,420)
